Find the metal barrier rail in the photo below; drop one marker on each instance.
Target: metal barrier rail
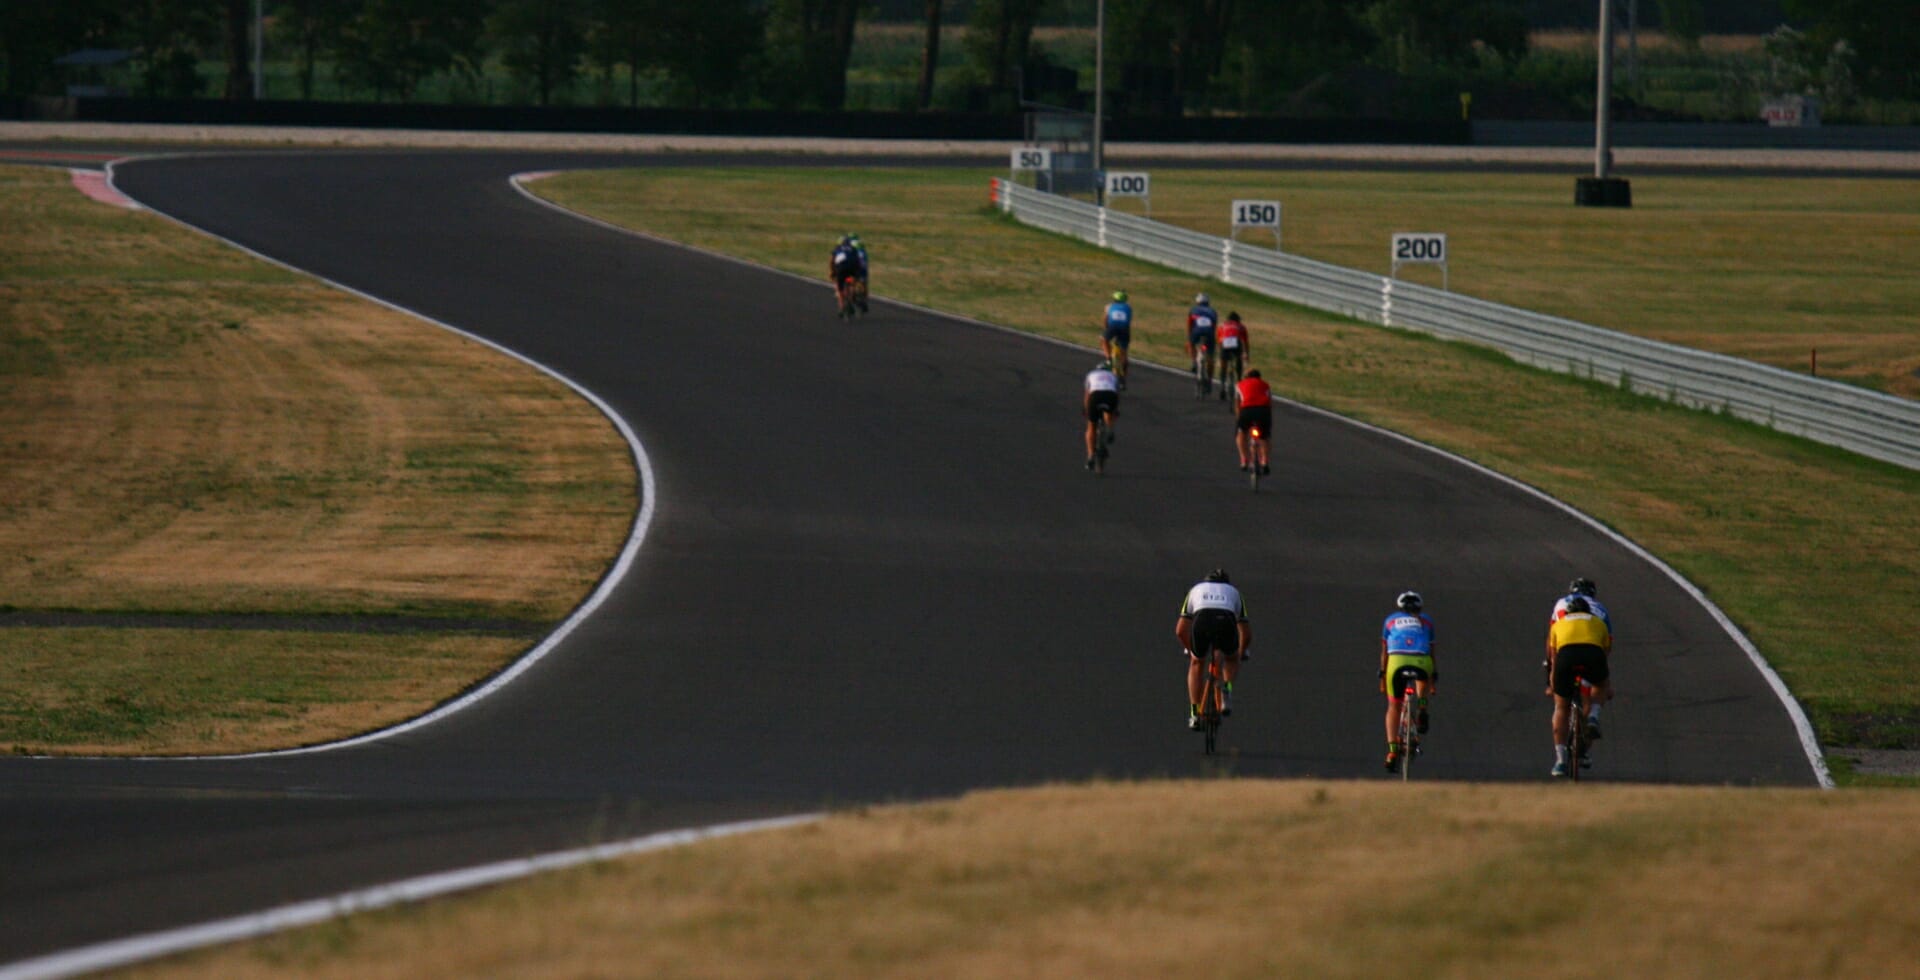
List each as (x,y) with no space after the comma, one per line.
(1866,422)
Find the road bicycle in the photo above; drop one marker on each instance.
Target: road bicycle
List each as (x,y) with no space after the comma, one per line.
(1213,697)
(851,297)
(1254,435)
(1232,368)
(1406,680)
(1102,438)
(1575,735)
(1203,371)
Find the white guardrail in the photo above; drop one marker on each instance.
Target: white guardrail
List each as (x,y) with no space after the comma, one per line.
(1866,422)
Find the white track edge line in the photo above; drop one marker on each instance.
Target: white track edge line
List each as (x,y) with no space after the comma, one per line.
(167,942)
(1809,741)
(636,536)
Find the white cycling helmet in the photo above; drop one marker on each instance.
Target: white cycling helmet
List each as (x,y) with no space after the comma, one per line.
(1200,300)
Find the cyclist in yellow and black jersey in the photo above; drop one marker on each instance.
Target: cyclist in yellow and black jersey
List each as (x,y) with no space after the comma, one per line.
(1577,639)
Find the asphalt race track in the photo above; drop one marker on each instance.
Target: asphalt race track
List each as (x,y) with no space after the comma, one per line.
(877,571)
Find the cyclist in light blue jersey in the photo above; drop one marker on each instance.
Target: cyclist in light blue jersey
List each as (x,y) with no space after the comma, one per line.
(1406,643)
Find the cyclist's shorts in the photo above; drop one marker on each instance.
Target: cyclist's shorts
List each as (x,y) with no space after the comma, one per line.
(1120,337)
(1216,629)
(1420,664)
(1201,338)
(1231,354)
(1102,401)
(1590,659)
(843,271)
(1260,415)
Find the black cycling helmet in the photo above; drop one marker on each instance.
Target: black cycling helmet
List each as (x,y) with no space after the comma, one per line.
(1581,586)
(1578,604)
(1218,575)
(1409,601)
(1235,317)
(1253,373)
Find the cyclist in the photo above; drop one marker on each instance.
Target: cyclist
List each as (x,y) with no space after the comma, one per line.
(1116,333)
(1406,642)
(1201,321)
(1585,589)
(1256,412)
(861,249)
(1100,394)
(1213,617)
(844,265)
(1235,348)
(1577,639)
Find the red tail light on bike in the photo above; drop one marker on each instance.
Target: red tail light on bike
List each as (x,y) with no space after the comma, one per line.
(1256,432)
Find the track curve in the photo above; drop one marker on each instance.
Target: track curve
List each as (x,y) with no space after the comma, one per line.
(881,537)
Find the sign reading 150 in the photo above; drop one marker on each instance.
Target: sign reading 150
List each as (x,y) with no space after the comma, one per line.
(1256,214)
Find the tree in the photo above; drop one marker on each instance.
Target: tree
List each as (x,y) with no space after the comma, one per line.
(1683,21)
(706,53)
(1446,32)
(169,38)
(239,36)
(999,35)
(1883,35)
(391,46)
(309,27)
(815,38)
(540,41)
(929,55)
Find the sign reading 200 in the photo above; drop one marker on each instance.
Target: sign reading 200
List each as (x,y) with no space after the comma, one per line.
(1419,247)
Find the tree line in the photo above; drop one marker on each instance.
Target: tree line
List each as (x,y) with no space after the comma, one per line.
(1167,54)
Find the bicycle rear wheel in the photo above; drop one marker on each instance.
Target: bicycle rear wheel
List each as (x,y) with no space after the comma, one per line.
(1407,733)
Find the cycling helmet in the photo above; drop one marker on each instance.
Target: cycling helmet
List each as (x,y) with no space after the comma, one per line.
(1120,296)
(853,240)
(1580,586)
(1235,317)
(1578,604)
(1218,575)
(1253,373)
(1200,300)
(845,240)
(1409,601)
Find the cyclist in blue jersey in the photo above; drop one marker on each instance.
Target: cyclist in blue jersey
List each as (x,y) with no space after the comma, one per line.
(1116,333)
(1406,643)
(845,267)
(1201,321)
(860,250)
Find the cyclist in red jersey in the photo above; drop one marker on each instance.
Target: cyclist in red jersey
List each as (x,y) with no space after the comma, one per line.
(1256,415)
(1235,348)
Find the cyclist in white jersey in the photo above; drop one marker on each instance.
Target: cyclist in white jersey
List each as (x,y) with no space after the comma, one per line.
(1583,588)
(1212,617)
(1100,393)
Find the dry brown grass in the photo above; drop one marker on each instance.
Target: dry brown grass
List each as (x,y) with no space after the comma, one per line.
(184,432)
(1244,878)
(184,428)
(182,692)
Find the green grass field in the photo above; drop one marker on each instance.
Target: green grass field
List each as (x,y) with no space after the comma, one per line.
(1809,549)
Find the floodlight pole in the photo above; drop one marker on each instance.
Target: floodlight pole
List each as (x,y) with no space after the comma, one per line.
(1099,81)
(1602,135)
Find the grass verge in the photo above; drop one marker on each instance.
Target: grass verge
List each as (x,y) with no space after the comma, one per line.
(1808,548)
(1254,878)
(186,429)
